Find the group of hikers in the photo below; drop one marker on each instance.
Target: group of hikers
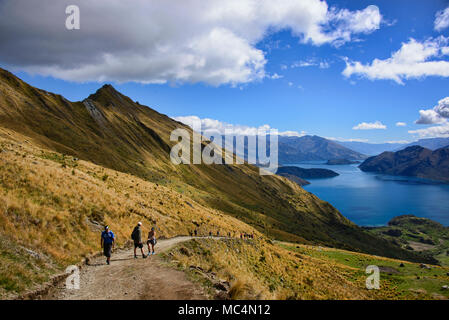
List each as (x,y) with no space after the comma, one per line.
(242,235)
(108,241)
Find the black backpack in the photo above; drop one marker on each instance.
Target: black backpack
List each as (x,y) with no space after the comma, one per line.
(134,234)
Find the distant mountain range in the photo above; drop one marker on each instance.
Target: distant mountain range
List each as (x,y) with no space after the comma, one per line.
(414,161)
(313,148)
(373,149)
(370,149)
(431,143)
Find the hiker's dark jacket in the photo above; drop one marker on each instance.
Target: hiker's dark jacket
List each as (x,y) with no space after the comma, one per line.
(138,234)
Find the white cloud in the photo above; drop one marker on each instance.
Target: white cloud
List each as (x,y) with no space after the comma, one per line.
(370,126)
(441,131)
(152,41)
(439,114)
(441,19)
(413,60)
(401,124)
(310,63)
(213,125)
(276,76)
(347,140)
(398,141)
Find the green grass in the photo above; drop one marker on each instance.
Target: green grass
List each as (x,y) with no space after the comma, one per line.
(410,281)
(410,229)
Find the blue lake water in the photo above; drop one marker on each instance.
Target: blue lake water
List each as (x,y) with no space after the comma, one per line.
(370,199)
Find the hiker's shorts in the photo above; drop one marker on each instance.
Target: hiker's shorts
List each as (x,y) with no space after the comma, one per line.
(151,241)
(138,245)
(107,248)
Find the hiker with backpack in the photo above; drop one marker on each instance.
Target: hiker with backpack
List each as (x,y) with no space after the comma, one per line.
(136,236)
(107,243)
(151,240)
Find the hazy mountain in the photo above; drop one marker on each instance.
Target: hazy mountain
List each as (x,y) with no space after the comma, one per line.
(414,161)
(430,143)
(313,148)
(111,130)
(371,149)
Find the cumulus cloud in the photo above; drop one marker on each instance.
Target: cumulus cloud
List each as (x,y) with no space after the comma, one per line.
(413,60)
(441,19)
(439,114)
(441,131)
(151,41)
(370,126)
(215,126)
(401,124)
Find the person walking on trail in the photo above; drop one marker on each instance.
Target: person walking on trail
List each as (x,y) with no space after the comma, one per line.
(151,240)
(107,243)
(137,238)
(196,233)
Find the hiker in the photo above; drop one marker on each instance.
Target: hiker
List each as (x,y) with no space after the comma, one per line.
(137,238)
(107,243)
(210,233)
(196,233)
(218,233)
(151,240)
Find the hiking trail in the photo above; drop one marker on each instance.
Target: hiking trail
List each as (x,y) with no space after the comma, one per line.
(127,278)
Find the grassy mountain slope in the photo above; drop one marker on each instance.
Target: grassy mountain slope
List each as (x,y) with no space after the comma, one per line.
(111,130)
(53,207)
(418,234)
(263,270)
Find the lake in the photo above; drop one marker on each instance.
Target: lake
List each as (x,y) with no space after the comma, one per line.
(371,199)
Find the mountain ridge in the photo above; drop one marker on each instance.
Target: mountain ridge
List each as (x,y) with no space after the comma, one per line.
(414,161)
(131,138)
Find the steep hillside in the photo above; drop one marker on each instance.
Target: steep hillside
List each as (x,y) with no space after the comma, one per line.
(53,208)
(414,161)
(111,130)
(263,270)
(313,148)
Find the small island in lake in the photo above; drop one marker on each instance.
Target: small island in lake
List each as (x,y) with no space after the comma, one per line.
(341,162)
(295,173)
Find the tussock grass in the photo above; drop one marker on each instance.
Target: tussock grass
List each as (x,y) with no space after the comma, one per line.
(57,205)
(259,270)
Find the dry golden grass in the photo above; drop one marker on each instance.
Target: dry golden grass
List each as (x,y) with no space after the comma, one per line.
(57,205)
(259,270)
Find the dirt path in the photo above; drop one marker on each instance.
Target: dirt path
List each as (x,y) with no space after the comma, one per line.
(127,278)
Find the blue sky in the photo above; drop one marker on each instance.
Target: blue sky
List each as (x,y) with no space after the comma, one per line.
(311,94)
